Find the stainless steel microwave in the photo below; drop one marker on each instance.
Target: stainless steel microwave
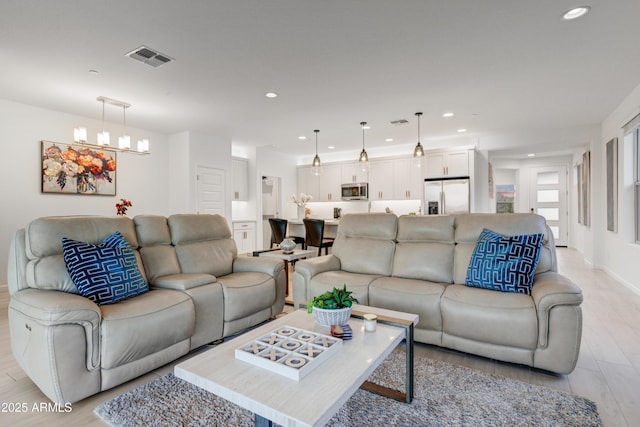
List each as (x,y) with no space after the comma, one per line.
(355,191)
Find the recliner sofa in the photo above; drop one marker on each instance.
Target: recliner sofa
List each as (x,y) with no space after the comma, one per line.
(200,291)
(418,264)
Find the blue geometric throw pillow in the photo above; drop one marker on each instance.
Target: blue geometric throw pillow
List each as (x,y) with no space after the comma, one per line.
(106,273)
(504,263)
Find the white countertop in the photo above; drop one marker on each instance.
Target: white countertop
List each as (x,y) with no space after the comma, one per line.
(326,221)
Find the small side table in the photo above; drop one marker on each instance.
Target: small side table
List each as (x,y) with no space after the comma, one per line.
(294,256)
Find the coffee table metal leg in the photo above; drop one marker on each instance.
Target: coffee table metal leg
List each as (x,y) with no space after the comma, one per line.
(407,396)
(259,421)
(409,374)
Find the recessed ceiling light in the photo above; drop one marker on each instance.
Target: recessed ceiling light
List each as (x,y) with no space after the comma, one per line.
(302,137)
(366,127)
(531,155)
(447,115)
(271,95)
(462,130)
(389,140)
(575,13)
(331,147)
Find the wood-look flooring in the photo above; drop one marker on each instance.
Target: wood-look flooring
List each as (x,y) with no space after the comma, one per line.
(608,370)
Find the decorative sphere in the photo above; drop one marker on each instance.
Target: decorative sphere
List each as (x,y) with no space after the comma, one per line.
(287,246)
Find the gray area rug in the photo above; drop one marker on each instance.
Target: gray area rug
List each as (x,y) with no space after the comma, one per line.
(445,395)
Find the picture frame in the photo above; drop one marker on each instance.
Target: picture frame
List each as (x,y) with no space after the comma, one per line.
(586,188)
(612,184)
(77,169)
(578,176)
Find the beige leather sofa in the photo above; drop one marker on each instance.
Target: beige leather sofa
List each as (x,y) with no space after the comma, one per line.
(200,292)
(418,264)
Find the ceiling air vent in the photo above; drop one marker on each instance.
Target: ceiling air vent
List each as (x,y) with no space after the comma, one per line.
(149,56)
(400,122)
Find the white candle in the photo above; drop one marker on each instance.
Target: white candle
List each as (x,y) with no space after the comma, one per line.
(370,322)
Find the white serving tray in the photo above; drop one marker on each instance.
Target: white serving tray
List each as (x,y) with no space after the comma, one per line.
(289,351)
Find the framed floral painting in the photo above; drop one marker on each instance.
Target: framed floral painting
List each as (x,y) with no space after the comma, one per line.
(78,169)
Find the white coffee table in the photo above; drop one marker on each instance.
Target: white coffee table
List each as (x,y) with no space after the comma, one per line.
(313,400)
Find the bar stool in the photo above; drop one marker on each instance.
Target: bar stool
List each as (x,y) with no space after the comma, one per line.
(314,235)
(279,231)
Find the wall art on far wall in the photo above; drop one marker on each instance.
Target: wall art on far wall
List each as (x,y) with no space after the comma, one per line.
(612,185)
(77,169)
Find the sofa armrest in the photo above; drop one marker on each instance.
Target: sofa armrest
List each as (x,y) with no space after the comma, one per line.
(551,289)
(53,308)
(306,270)
(270,266)
(183,281)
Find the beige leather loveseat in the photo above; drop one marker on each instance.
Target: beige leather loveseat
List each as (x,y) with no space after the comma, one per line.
(199,292)
(418,264)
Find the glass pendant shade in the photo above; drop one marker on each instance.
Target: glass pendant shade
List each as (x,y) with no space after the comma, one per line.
(104,138)
(418,151)
(80,135)
(124,142)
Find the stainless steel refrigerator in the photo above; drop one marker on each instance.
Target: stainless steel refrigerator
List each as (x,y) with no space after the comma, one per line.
(446,195)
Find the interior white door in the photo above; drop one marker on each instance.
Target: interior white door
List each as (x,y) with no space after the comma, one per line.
(548,192)
(211,191)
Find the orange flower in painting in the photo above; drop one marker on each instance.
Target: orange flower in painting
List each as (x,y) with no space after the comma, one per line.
(85,160)
(71,155)
(111,165)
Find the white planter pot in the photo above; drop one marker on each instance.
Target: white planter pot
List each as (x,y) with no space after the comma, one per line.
(326,317)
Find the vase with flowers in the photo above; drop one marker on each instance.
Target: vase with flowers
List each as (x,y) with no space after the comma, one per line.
(301,202)
(121,208)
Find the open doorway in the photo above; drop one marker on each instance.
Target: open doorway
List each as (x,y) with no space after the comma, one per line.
(271,206)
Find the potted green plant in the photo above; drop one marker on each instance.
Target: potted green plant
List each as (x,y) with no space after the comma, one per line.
(332,307)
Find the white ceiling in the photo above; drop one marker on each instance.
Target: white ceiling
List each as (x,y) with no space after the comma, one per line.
(516,75)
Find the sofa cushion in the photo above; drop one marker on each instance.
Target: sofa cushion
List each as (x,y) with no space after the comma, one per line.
(246,293)
(106,273)
(139,327)
(499,318)
(504,263)
(425,248)
(409,296)
(366,243)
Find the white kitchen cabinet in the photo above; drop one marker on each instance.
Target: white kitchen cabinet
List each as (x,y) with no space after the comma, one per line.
(329,184)
(240,171)
(244,234)
(446,164)
(352,173)
(308,183)
(407,179)
(381,180)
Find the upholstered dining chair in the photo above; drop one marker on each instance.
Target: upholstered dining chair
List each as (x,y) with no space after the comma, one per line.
(279,231)
(314,235)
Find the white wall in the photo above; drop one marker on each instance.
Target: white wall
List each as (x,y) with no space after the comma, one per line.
(620,259)
(142,179)
(271,163)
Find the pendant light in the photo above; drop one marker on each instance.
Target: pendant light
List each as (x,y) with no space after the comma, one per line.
(418,152)
(124,142)
(363,160)
(316,167)
(103,137)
